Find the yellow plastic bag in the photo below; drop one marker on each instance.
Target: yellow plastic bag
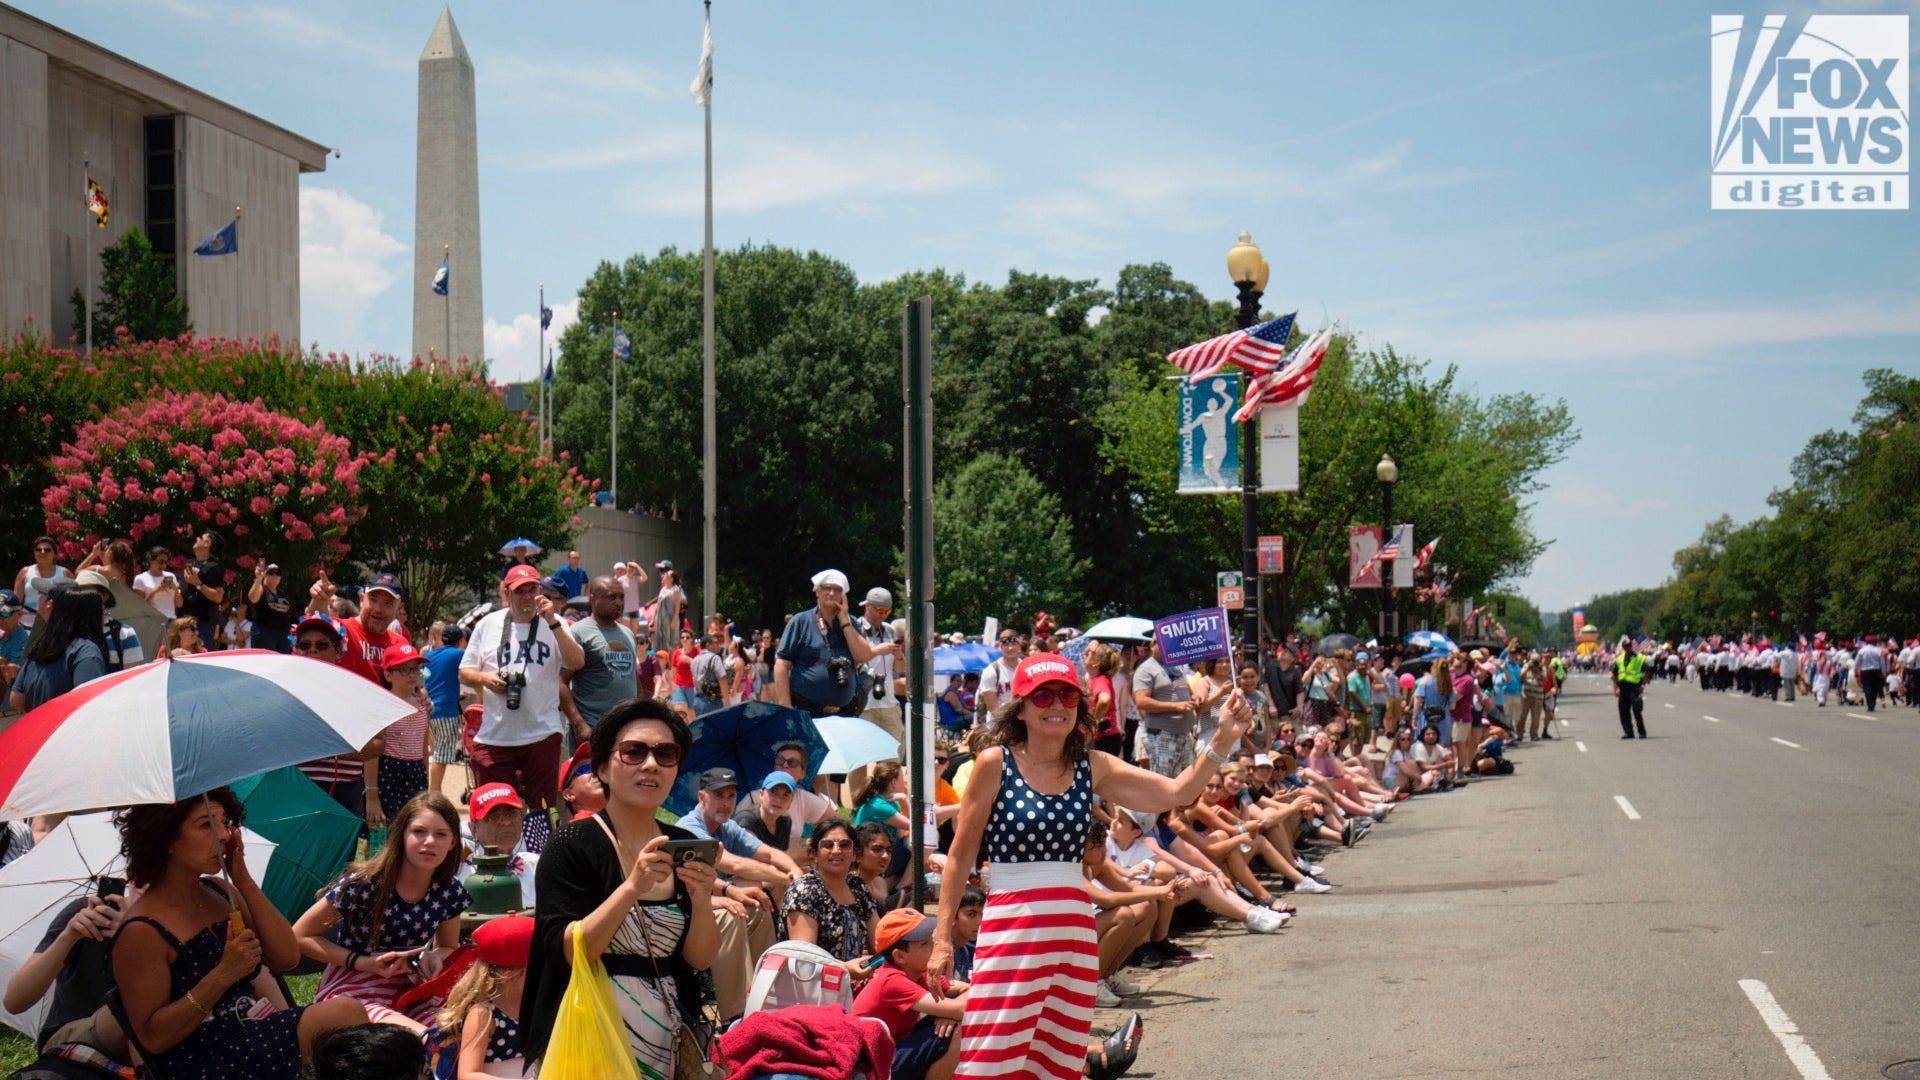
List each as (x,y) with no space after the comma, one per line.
(589,1040)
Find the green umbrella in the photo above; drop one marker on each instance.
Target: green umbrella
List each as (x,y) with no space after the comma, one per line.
(315,835)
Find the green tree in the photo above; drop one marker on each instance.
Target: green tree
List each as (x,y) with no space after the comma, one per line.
(1629,612)
(1002,547)
(1522,619)
(138,290)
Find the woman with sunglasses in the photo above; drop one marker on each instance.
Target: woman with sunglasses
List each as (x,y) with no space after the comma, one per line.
(1028,808)
(830,906)
(609,883)
(36,578)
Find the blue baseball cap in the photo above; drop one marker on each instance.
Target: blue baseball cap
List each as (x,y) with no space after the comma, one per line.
(9,603)
(775,779)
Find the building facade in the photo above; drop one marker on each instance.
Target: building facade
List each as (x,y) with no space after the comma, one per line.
(174,163)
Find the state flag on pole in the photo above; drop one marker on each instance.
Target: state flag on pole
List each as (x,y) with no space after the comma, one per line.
(224,241)
(702,88)
(546,316)
(622,347)
(1290,384)
(97,201)
(1257,349)
(440,277)
(547,376)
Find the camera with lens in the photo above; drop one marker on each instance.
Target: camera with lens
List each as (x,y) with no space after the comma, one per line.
(841,669)
(516,685)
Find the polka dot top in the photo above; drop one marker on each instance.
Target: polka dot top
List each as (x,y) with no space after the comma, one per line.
(1026,826)
(507,1043)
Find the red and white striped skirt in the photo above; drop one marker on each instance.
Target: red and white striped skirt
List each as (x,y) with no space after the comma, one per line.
(376,993)
(1030,1008)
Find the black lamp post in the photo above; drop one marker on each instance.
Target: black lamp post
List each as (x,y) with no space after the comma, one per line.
(1249,270)
(1388,472)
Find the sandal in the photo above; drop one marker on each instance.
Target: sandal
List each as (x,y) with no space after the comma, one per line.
(1118,1052)
(1274,903)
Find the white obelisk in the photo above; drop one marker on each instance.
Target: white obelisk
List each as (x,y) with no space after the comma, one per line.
(446,201)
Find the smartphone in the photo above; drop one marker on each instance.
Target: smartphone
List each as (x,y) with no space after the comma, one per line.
(686,851)
(105,886)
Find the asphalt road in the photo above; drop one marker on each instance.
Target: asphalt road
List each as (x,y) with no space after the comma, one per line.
(1758,919)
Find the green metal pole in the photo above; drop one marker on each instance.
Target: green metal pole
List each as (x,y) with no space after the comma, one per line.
(917,360)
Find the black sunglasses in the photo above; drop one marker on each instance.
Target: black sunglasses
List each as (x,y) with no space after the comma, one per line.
(633,752)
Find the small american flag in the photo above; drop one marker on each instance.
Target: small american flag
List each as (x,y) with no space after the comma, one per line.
(1425,558)
(1258,349)
(1289,384)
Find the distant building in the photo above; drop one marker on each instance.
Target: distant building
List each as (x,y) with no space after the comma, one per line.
(173,162)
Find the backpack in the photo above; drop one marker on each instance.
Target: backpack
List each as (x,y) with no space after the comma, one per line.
(798,973)
(707,676)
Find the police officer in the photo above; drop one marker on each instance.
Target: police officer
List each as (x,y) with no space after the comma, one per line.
(1629,673)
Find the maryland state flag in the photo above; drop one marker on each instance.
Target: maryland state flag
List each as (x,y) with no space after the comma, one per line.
(97,201)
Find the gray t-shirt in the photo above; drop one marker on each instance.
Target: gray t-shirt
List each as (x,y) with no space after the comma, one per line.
(1164,686)
(606,678)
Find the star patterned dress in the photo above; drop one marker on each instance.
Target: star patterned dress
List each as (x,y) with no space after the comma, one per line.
(403,926)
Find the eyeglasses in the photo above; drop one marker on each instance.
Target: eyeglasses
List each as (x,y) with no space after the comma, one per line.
(1046,696)
(633,752)
(790,762)
(41,548)
(585,768)
(940,760)
(314,646)
(835,845)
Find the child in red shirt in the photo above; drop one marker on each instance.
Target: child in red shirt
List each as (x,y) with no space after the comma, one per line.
(923,1044)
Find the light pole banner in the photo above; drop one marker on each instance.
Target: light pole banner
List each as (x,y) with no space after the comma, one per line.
(1280,448)
(1363,543)
(1403,564)
(1209,440)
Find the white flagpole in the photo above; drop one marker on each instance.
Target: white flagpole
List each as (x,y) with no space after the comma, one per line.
(539,354)
(709,528)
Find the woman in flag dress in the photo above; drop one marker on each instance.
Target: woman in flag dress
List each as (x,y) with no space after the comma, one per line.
(1027,809)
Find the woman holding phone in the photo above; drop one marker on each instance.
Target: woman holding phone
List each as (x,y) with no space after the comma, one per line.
(611,881)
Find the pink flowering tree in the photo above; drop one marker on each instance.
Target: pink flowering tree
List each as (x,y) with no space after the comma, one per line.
(167,468)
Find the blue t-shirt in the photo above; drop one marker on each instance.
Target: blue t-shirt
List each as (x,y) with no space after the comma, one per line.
(734,839)
(807,649)
(443,679)
(1432,694)
(13,644)
(575,579)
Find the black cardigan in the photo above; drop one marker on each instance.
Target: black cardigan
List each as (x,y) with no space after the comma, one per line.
(578,870)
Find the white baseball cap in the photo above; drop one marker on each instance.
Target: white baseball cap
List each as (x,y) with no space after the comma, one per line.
(830,577)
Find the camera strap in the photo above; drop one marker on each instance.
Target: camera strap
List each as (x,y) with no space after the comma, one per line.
(526,647)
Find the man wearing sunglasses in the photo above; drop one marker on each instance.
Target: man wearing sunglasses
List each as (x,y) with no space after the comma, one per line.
(999,675)
(807,809)
(271,610)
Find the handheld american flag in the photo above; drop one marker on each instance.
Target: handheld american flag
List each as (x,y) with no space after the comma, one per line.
(1257,349)
(1290,383)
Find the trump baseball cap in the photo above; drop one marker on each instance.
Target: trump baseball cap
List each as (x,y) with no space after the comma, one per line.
(489,797)
(1042,668)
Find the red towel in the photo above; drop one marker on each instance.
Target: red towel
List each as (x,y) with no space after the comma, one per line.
(808,1040)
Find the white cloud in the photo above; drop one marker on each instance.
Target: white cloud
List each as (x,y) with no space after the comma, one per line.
(320,35)
(512,347)
(343,253)
(762,171)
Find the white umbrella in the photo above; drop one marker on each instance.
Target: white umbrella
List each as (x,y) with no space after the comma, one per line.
(58,870)
(1121,628)
(853,742)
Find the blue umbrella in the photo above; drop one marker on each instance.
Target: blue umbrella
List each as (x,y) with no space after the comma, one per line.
(960,659)
(1431,640)
(521,541)
(742,738)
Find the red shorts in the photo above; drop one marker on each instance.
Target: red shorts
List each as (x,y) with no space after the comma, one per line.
(533,769)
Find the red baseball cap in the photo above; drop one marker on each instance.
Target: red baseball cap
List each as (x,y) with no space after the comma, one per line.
(520,575)
(1042,668)
(488,796)
(397,655)
(505,941)
(582,755)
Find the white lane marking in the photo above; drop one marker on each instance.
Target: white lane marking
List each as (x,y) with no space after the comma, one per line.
(1668,704)
(1710,719)
(1582,747)
(1784,704)
(1784,742)
(1864,716)
(1785,1030)
(1627,808)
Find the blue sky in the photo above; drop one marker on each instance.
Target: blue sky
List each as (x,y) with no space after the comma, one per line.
(1519,189)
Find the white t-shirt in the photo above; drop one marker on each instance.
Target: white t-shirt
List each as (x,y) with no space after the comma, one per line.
(162,602)
(998,678)
(880,666)
(537,657)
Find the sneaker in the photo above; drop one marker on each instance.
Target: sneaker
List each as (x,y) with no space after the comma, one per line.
(1312,885)
(1122,986)
(1103,997)
(1347,835)
(1314,869)
(1380,811)
(1261,921)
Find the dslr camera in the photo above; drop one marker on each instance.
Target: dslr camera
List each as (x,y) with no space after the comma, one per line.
(841,669)
(516,685)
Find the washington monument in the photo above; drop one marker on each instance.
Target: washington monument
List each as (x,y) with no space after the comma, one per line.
(446,202)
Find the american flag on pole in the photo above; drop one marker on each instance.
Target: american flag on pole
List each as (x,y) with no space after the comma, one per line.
(1290,383)
(1258,349)
(1425,558)
(1388,550)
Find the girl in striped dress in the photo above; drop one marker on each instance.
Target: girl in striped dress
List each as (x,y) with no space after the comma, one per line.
(1027,809)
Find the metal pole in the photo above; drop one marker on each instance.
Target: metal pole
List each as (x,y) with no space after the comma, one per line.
(446,299)
(1249,494)
(1386,573)
(613,438)
(917,346)
(539,354)
(236,274)
(86,177)
(710,531)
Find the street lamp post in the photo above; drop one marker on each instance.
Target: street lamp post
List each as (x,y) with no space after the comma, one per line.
(1249,270)
(1388,472)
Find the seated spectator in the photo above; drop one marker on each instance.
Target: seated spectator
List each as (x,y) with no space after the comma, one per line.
(873,854)
(1123,917)
(1492,757)
(1435,757)
(830,906)
(181,639)
(366,1052)
(765,816)
(753,875)
(883,801)
(402,902)
(72,961)
(1211,886)
(1404,774)
(1226,843)
(921,1024)
(188,957)
(966,929)
(482,1012)
(580,788)
(810,808)
(494,816)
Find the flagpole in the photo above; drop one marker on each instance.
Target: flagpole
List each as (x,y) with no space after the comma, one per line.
(539,372)
(446,299)
(548,390)
(86,177)
(236,273)
(613,437)
(709,528)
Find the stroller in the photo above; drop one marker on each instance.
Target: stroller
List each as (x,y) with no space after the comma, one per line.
(801,999)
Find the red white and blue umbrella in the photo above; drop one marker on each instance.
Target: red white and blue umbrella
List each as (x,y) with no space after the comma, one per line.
(165,731)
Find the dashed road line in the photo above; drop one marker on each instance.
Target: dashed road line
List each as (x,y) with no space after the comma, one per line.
(1864,716)
(1784,742)
(1709,719)
(1582,747)
(1785,1030)
(1627,808)
(1668,704)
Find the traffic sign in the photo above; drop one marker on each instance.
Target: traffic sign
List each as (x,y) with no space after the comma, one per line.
(1229,579)
(1234,599)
